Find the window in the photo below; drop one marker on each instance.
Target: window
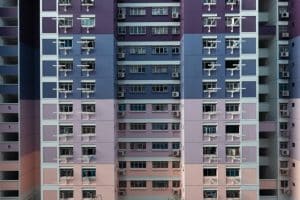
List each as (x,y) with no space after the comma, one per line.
(137,11)
(88,86)
(137,30)
(88,65)
(66,194)
(137,145)
(88,108)
(137,126)
(176,164)
(175,126)
(137,89)
(65,43)
(160,164)
(87,44)
(160,126)
(209,129)
(232,21)
(122,145)
(121,107)
(210,194)
(65,65)
(231,172)
(232,107)
(87,22)
(160,30)
(122,184)
(87,2)
(210,150)
(175,107)
(88,129)
(209,43)
(65,22)
(137,50)
(89,194)
(65,129)
(87,151)
(209,86)
(232,151)
(66,172)
(175,145)
(66,151)
(121,126)
(159,50)
(121,30)
(159,107)
(232,128)
(159,145)
(65,108)
(88,172)
(160,69)
(175,50)
(160,184)
(233,86)
(122,164)
(175,184)
(64,2)
(175,30)
(160,88)
(138,107)
(137,69)
(209,172)
(232,194)
(209,108)
(138,164)
(160,11)
(138,184)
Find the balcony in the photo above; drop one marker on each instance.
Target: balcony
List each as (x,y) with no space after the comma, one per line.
(233,137)
(233,159)
(210,137)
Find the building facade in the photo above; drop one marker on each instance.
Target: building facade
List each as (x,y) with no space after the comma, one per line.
(149,100)
(19,100)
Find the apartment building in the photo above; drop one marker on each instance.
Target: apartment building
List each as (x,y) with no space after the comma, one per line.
(19,103)
(149,100)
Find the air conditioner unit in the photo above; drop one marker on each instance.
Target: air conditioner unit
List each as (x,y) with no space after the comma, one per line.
(121,94)
(175,94)
(284,113)
(122,192)
(121,16)
(285,14)
(285,34)
(285,93)
(121,74)
(175,15)
(176,114)
(284,152)
(121,55)
(176,153)
(285,74)
(284,171)
(176,191)
(284,54)
(175,75)
(121,172)
(121,152)
(121,114)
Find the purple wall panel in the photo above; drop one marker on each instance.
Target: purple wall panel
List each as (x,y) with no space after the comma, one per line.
(49,5)
(249,24)
(49,25)
(49,133)
(50,154)
(248,5)
(249,154)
